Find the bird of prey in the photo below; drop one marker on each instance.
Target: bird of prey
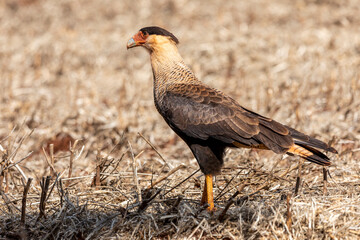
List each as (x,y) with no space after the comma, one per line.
(210,121)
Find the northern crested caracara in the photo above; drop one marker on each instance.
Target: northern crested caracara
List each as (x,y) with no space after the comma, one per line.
(208,120)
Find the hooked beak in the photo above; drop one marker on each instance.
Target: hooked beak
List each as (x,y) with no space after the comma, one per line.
(131,43)
(138,39)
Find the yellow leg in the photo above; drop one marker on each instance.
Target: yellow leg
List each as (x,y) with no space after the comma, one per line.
(204,195)
(207,196)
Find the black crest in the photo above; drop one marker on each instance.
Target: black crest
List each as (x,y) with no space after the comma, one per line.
(159,31)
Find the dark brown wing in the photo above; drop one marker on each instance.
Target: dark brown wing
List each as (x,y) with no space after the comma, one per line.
(200,112)
(305,140)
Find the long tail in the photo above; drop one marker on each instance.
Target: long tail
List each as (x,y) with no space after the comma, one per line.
(310,154)
(304,146)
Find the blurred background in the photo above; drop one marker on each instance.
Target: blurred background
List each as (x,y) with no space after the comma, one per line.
(65,72)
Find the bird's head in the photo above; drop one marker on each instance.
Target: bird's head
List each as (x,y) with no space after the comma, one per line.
(151,37)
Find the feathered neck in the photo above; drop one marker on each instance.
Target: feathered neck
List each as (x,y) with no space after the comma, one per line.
(164,56)
(168,66)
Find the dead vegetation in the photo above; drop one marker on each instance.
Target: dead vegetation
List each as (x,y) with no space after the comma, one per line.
(84,155)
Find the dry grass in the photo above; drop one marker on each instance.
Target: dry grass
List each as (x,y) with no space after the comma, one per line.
(65,75)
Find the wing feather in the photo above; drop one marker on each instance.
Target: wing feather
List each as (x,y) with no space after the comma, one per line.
(198,111)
